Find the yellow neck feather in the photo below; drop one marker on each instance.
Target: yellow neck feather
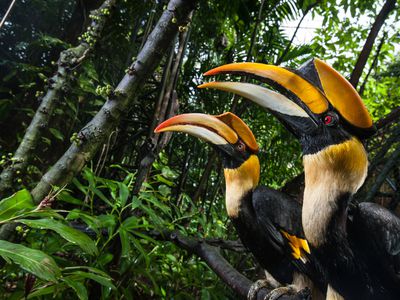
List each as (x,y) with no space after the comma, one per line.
(240,181)
(330,173)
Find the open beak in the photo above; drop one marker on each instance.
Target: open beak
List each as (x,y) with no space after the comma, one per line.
(205,127)
(295,118)
(317,88)
(223,131)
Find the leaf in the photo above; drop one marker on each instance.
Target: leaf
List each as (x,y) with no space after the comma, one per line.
(78,287)
(70,234)
(34,261)
(123,194)
(17,203)
(57,134)
(125,244)
(103,280)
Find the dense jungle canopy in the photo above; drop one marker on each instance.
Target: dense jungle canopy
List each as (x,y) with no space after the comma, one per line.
(94,204)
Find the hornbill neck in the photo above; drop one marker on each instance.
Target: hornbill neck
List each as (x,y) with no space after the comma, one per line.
(239,182)
(332,175)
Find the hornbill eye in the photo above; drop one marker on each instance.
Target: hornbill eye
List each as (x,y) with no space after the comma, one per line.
(241,146)
(331,119)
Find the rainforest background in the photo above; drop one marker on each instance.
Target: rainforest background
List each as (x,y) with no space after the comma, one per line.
(94,204)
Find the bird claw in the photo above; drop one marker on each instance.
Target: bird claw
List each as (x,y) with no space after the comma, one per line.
(287,290)
(256,286)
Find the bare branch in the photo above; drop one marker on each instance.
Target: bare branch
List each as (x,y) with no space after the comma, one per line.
(387,8)
(212,256)
(7,13)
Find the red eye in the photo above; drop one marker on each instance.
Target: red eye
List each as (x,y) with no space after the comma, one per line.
(328,120)
(331,119)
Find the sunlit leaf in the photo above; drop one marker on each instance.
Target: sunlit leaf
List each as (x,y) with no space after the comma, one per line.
(70,234)
(34,261)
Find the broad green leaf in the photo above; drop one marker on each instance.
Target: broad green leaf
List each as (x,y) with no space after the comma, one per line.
(103,280)
(78,287)
(46,290)
(17,203)
(70,234)
(34,261)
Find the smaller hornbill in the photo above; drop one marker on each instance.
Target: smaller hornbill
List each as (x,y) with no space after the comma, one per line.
(358,247)
(267,221)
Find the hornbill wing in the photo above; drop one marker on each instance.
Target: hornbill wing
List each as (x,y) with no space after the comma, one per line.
(382,229)
(279,217)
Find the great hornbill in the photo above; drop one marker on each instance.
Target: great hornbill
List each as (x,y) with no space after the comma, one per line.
(359,248)
(267,221)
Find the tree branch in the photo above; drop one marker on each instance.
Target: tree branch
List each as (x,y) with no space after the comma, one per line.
(391,117)
(212,256)
(7,13)
(95,133)
(308,9)
(69,59)
(387,8)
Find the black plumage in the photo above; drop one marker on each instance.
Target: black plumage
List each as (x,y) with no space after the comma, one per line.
(263,214)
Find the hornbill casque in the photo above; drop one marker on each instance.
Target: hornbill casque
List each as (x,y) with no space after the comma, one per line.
(358,247)
(267,221)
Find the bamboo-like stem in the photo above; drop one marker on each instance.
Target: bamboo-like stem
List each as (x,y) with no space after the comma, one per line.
(3,20)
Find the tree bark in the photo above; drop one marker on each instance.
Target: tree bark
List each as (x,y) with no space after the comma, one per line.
(373,65)
(57,84)
(166,107)
(224,270)
(95,133)
(387,8)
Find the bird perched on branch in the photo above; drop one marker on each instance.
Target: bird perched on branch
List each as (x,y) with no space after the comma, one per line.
(268,222)
(359,250)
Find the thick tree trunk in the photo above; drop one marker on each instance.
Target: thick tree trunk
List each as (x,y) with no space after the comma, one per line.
(96,132)
(387,8)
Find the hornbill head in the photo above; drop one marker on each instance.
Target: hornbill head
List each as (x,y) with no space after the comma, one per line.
(324,112)
(235,144)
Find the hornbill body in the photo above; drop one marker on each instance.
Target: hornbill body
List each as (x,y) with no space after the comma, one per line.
(359,249)
(267,221)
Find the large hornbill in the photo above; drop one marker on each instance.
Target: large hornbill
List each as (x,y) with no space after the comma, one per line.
(267,221)
(359,248)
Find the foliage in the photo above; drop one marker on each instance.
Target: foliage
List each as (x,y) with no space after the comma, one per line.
(93,238)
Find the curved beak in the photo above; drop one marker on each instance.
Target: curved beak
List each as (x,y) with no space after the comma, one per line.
(206,127)
(317,88)
(295,118)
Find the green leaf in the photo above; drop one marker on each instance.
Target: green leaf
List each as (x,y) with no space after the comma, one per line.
(46,290)
(17,203)
(34,261)
(70,234)
(125,244)
(78,287)
(103,280)
(123,194)
(57,134)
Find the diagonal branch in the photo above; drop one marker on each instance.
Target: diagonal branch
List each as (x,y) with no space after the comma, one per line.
(224,270)
(3,20)
(57,84)
(387,8)
(95,133)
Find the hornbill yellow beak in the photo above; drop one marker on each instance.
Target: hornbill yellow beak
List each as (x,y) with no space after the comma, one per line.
(224,131)
(319,94)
